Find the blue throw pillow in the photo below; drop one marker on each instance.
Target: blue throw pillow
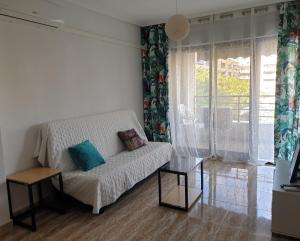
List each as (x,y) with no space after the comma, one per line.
(86,156)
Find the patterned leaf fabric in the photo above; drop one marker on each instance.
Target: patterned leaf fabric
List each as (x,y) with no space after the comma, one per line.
(155,83)
(287,126)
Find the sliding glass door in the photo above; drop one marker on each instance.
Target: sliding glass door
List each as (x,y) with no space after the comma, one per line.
(223,99)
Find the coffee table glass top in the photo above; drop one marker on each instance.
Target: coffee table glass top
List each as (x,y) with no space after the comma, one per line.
(182,164)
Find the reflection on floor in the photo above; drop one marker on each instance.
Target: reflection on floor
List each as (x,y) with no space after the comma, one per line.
(236,205)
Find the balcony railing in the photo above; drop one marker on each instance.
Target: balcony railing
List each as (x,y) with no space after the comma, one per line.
(239,105)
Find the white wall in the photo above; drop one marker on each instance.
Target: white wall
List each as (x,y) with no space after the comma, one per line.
(47,74)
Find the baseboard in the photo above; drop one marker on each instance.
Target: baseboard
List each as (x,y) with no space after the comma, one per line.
(4,223)
(286,235)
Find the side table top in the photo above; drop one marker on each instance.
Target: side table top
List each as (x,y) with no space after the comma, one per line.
(33,175)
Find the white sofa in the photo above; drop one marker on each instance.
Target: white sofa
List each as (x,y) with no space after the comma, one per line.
(102,185)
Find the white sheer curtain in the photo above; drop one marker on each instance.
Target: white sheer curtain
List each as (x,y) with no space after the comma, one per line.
(189,118)
(222,86)
(263,100)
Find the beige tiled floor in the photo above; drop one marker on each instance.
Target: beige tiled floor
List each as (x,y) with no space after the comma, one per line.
(235,206)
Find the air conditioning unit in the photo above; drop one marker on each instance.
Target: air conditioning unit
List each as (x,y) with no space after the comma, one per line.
(14,15)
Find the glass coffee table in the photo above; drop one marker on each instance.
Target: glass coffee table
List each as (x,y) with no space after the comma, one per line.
(182,195)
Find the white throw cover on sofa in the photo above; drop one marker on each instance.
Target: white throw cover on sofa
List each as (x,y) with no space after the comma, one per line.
(102,185)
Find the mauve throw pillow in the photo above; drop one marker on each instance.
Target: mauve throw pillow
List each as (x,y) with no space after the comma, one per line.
(131,139)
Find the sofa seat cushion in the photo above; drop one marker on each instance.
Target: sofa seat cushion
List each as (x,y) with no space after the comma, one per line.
(104,184)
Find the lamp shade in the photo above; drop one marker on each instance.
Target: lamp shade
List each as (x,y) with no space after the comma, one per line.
(178,27)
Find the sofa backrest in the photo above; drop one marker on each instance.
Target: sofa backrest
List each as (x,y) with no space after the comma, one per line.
(100,129)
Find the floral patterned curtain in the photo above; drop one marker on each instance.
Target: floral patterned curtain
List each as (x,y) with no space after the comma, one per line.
(155,77)
(287,128)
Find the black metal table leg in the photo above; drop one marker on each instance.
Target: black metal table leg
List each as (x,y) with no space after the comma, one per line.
(178,179)
(40,193)
(186,192)
(9,199)
(61,193)
(159,188)
(32,209)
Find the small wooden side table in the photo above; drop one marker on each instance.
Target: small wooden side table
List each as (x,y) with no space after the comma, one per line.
(28,178)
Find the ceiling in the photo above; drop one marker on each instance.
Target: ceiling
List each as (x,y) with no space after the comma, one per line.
(146,12)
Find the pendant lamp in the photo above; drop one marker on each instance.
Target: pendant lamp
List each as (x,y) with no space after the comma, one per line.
(177,27)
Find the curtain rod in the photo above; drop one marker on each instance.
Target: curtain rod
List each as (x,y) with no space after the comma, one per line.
(213,15)
(295,2)
(227,11)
